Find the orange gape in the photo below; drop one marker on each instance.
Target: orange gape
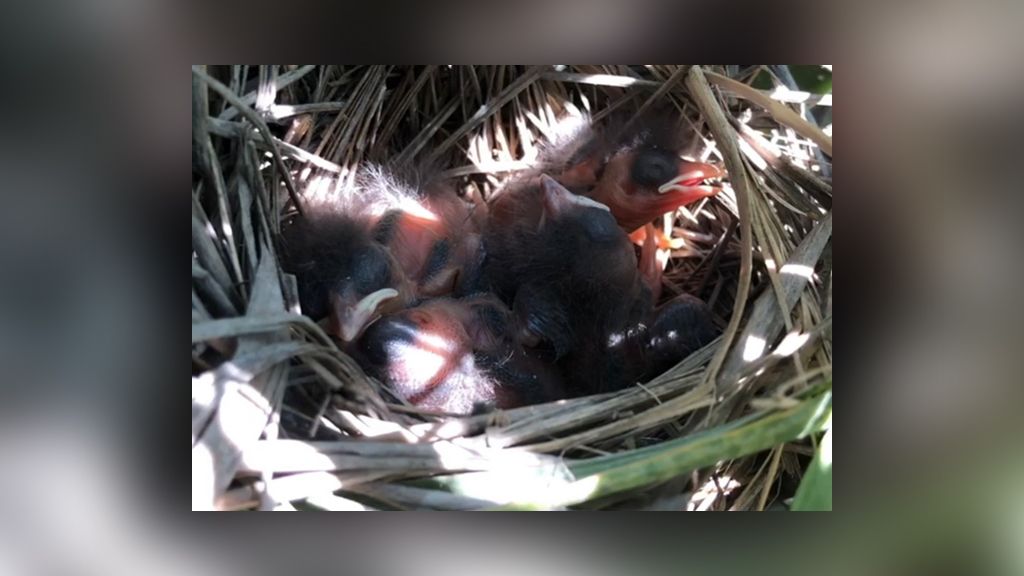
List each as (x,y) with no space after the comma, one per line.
(650,267)
(634,166)
(636,199)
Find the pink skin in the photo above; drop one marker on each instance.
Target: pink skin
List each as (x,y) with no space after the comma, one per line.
(443,356)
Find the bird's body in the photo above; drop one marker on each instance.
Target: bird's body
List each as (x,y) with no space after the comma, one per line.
(675,330)
(433,234)
(378,246)
(343,274)
(570,275)
(634,167)
(456,356)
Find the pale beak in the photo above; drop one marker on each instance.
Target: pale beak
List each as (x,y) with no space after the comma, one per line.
(349,320)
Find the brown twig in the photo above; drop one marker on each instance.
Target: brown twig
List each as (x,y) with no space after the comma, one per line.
(253,117)
(726,139)
(778,110)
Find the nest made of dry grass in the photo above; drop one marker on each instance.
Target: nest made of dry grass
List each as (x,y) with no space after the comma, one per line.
(282,418)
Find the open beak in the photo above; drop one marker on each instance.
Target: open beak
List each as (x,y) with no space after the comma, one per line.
(349,319)
(634,204)
(688,186)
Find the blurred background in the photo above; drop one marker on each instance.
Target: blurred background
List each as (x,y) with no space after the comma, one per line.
(933,111)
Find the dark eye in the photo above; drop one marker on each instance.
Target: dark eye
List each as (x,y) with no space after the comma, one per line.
(371,270)
(440,254)
(654,167)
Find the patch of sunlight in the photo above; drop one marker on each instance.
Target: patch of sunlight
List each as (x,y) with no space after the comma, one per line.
(586,103)
(420,363)
(791,343)
(373,428)
(412,206)
(320,185)
(271,456)
(799,270)
(754,348)
(299,486)
(752,155)
(334,503)
(578,491)
(283,110)
(513,476)
(783,94)
(202,477)
(203,390)
(607,80)
(711,492)
(685,213)
(447,429)
(458,457)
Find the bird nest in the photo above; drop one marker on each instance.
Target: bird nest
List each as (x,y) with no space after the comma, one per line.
(283,418)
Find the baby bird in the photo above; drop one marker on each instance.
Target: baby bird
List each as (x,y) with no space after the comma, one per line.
(344,276)
(456,356)
(378,246)
(675,330)
(634,168)
(434,235)
(570,275)
(578,294)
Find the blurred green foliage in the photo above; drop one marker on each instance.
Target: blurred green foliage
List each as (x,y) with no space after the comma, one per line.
(815,492)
